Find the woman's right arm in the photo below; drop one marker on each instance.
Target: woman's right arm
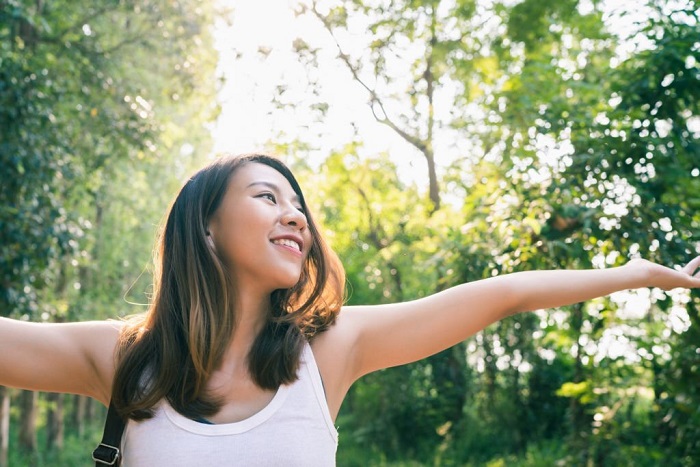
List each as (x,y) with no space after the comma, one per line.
(75,358)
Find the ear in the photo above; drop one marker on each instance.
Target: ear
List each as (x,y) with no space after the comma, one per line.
(210,240)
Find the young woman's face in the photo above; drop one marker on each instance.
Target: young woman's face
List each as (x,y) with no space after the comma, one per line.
(259,230)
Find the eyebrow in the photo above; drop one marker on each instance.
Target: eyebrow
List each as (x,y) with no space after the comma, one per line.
(272,187)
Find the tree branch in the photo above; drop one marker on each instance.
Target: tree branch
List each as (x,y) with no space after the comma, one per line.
(374,98)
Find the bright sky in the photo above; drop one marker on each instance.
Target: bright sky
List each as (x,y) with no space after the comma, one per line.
(249,119)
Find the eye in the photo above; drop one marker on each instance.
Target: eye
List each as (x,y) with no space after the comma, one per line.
(269,196)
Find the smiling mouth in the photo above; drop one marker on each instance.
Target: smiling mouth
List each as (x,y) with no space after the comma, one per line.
(287,242)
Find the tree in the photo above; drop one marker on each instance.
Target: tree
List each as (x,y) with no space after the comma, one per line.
(85,105)
(562,134)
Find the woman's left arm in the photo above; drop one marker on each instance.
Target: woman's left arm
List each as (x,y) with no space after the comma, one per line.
(382,336)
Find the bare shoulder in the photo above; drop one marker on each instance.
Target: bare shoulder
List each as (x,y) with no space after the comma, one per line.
(337,342)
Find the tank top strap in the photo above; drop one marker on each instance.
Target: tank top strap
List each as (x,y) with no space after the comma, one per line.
(310,368)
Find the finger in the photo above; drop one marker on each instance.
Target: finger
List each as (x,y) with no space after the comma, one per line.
(692,266)
(695,279)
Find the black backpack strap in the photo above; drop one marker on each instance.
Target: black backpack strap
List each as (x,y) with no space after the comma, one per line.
(107,452)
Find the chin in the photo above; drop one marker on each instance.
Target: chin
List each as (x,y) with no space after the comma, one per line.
(288,282)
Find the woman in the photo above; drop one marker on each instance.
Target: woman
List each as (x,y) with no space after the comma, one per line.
(246,354)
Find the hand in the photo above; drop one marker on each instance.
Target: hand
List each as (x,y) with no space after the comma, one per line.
(666,278)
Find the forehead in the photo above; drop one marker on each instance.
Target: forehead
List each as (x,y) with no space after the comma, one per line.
(254,174)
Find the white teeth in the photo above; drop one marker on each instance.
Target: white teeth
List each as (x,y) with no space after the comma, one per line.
(287,242)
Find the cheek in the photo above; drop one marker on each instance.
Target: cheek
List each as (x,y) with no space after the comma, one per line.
(238,242)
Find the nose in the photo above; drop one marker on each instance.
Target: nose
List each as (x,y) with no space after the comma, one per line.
(293,217)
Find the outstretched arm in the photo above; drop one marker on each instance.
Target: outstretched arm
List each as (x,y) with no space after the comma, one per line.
(74,357)
(534,290)
(376,337)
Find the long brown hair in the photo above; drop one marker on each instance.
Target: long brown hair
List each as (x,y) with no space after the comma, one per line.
(171,351)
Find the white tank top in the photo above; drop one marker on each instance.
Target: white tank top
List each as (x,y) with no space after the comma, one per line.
(294,429)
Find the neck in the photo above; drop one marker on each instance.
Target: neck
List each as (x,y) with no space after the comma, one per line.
(251,316)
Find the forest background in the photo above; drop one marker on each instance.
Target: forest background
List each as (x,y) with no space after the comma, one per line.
(546,139)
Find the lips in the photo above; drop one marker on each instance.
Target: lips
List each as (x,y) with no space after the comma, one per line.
(290,241)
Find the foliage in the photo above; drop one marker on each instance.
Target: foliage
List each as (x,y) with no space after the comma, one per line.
(570,142)
(77,448)
(85,104)
(103,111)
(547,145)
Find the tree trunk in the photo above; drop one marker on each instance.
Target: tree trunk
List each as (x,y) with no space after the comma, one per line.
(54,421)
(89,409)
(490,370)
(27,429)
(433,184)
(78,414)
(4,425)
